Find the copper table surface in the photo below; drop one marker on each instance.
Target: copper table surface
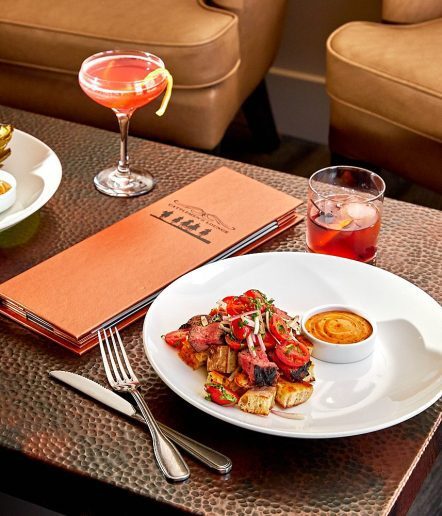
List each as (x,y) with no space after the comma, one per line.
(375,473)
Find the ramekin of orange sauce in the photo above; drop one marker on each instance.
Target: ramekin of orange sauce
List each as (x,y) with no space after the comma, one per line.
(8,190)
(340,334)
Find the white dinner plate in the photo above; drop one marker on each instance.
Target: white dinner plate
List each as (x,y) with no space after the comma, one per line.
(37,170)
(399,380)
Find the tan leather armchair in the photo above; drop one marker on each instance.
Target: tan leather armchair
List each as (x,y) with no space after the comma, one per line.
(385,87)
(218,51)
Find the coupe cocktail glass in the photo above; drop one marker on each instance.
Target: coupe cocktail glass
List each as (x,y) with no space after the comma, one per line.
(125,80)
(344,212)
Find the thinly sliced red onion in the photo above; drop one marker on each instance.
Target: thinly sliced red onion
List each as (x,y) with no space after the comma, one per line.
(294,323)
(256,325)
(248,321)
(251,345)
(232,318)
(261,343)
(288,415)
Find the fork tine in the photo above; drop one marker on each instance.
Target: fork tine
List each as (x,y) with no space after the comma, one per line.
(120,364)
(111,356)
(110,378)
(126,360)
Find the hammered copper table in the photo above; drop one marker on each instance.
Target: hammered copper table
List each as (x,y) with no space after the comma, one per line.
(377,473)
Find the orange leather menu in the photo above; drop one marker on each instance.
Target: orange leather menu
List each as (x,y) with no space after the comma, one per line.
(110,277)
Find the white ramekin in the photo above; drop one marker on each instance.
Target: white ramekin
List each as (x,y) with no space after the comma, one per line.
(8,199)
(340,353)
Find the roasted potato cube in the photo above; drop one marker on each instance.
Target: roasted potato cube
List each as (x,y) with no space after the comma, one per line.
(222,359)
(259,400)
(289,394)
(191,357)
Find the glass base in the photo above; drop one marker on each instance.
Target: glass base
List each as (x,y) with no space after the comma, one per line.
(370,261)
(110,182)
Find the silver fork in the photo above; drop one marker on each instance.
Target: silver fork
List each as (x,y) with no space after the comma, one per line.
(169,459)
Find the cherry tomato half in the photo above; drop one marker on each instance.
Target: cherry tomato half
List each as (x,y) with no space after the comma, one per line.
(233,343)
(278,327)
(258,299)
(220,394)
(240,330)
(269,340)
(254,294)
(176,338)
(292,353)
(239,305)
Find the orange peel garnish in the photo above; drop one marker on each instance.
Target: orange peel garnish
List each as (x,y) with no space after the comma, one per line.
(167,95)
(341,224)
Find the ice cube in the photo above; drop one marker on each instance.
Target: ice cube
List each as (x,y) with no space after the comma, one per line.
(363,214)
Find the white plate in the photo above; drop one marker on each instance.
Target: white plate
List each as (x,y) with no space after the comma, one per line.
(399,380)
(37,170)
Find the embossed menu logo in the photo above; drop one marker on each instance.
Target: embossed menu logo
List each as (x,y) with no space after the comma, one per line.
(193,220)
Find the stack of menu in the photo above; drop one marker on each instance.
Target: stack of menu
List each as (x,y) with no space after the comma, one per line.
(111,277)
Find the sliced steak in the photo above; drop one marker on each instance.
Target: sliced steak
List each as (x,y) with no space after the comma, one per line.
(281,313)
(201,337)
(259,370)
(195,321)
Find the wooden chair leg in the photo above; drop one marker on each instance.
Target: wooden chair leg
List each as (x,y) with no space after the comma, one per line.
(258,113)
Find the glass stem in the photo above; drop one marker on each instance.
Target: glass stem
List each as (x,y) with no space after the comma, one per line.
(123,163)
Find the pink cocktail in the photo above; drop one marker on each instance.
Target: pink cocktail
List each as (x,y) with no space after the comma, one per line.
(345,226)
(344,211)
(124,81)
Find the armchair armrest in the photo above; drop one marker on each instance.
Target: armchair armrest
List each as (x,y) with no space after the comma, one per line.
(410,11)
(231,5)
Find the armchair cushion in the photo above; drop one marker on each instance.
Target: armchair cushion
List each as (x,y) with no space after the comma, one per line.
(217,56)
(199,45)
(385,87)
(392,72)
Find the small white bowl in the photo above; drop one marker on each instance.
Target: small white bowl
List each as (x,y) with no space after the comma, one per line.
(340,353)
(8,198)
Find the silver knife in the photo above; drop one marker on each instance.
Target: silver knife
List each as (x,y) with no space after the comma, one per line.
(209,457)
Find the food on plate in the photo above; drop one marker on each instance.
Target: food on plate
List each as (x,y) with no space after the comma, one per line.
(6,131)
(339,327)
(4,187)
(191,357)
(289,394)
(253,351)
(258,400)
(222,359)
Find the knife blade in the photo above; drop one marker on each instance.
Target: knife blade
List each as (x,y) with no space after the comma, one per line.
(211,458)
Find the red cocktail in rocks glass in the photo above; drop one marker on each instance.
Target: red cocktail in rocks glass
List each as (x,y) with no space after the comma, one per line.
(344,212)
(124,80)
